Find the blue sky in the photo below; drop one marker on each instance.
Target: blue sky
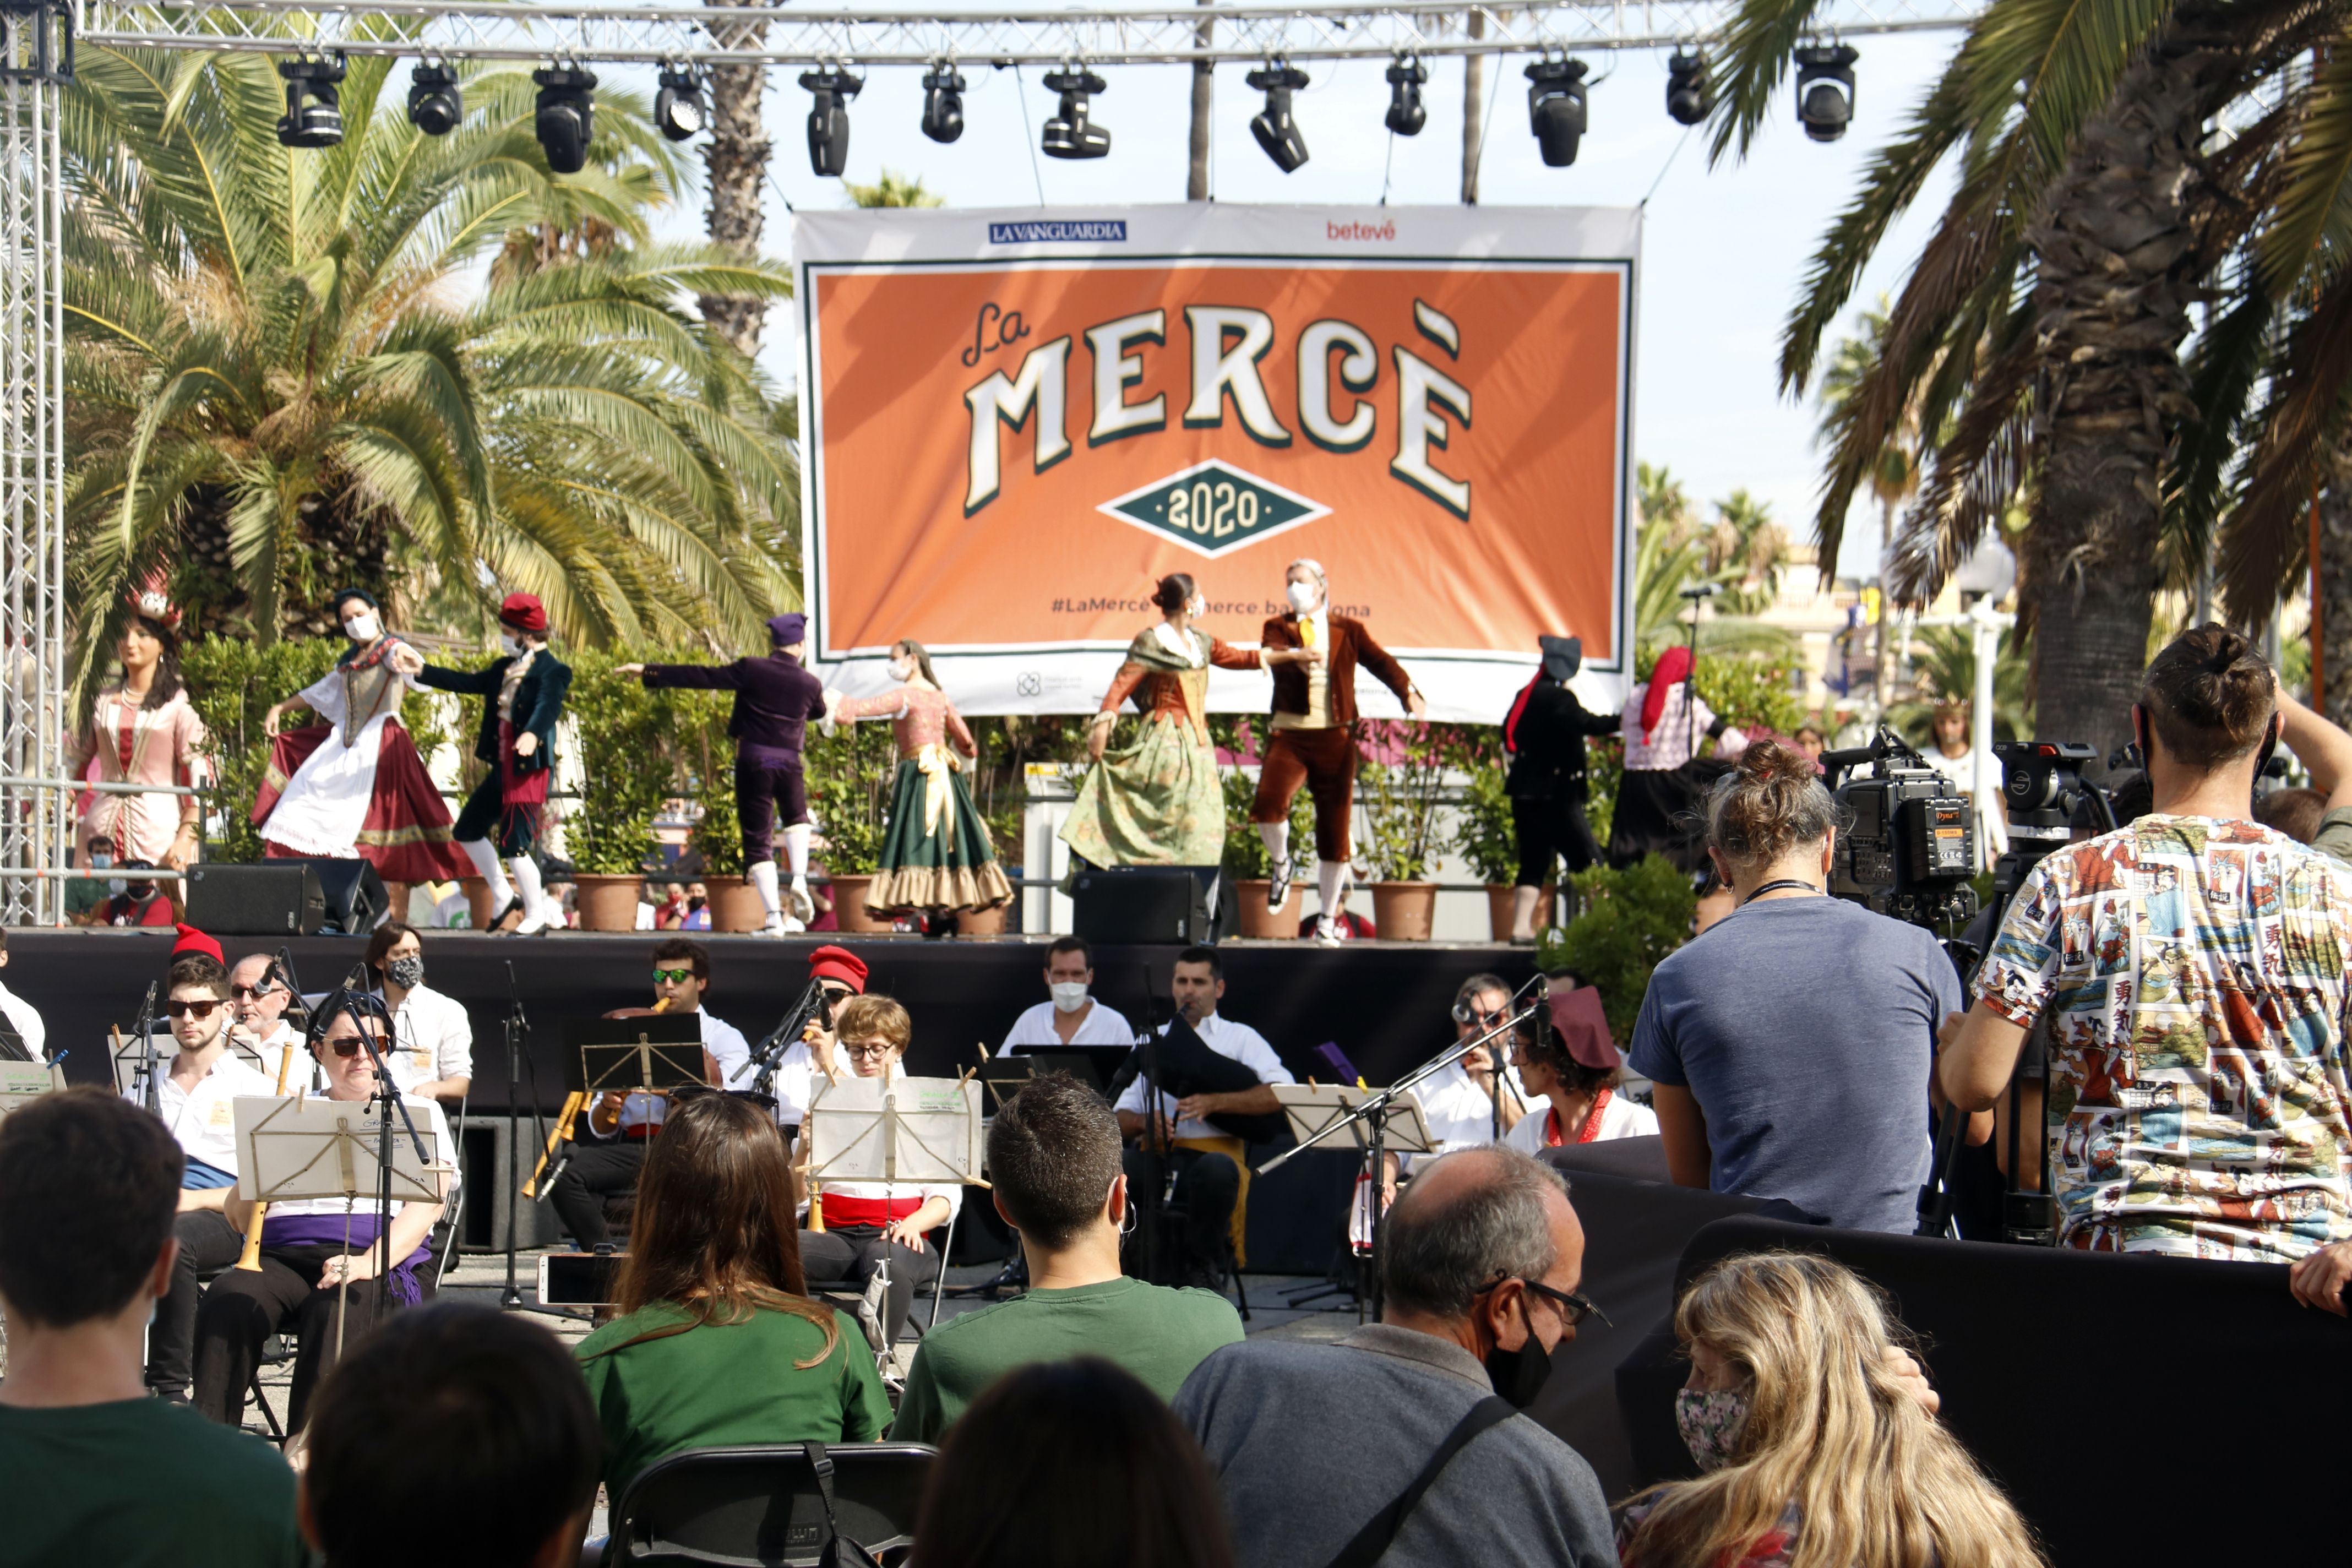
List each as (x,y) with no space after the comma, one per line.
(1724,250)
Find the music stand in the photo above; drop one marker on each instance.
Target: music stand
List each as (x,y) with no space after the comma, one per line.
(1318,1112)
(895,1130)
(21,1083)
(650,1054)
(1003,1077)
(307,1147)
(1093,1066)
(129,1062)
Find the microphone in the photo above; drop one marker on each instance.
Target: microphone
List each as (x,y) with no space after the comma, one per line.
(1704,591)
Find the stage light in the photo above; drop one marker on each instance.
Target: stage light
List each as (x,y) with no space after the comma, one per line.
(1407,114)
(435,105)
(1689,93)
(567,115)
(1276,130)
(677,108)
(1825,89)
(1070,133)
(828,121)
(314,110)
(943,102)
(1556,109)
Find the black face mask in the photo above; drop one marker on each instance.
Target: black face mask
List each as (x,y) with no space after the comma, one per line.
(1519,1375)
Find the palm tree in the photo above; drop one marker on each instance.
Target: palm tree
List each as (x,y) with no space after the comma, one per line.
(894,190)
(1749,549)
(736,161)
(276,387)
(1893,472)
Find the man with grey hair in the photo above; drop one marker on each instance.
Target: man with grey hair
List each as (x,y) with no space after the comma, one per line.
(1480,1260)
(1314,740)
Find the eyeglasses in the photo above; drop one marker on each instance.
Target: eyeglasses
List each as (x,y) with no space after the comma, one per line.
(870,1053)
(1574,1308)
(199,1011)
(674,977)
(240,993)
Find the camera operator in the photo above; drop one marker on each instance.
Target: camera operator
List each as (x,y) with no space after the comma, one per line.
(2191,967)
(1791,1044)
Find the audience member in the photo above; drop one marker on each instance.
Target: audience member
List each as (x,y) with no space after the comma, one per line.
(311,1248)
(2297,812)
(869,1224)
(1811,742)
(195,1098)
(2192,968)
(259,1001)
(85,894)
(2326,750)
(20,1015)
(1207,1160)
(481,1416)
(1054,1161)
(1791,1045)
(142,901)
(432,1054)
(1073,1016)
(1071,1464)
(1816,1438)
(1480,1259)
(716,1341)
(842,974)
(98,1472)
(1568,1061)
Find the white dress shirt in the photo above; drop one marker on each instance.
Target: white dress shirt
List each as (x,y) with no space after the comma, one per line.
(434,1039)
(726,1047)
(25,1022)
(1459,1110)
(1227,1039)
(1621,1117)
(283,1037)
(203,1119)
(1100,1026)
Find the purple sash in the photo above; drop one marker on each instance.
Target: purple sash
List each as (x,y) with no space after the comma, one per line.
(327,1230)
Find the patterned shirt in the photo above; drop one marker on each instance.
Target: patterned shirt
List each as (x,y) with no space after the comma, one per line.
(2194,977)
(1669,745)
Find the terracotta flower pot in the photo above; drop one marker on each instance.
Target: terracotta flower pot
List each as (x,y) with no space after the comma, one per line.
(1404,911)
(849,905)
(1261,923)
(478,903)
(735,905)
(981,922)
(608,903)
(1498,907)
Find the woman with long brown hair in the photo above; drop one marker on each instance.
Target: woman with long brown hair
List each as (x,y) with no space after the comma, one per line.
(1817,1451)
(716,1342)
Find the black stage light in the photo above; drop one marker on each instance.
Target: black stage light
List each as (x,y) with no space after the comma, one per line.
(943,102)
(435,104)
(1070,133)
(1825,89)
(314,110)
(1556,109)
(1407,114)
(1689,93)
(567,115)
(678,107)
(1276,130)
(828,121)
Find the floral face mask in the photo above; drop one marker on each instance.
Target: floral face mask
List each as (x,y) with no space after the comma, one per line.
(1710,1422)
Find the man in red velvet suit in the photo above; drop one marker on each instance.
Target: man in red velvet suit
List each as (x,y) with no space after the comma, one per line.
(1314,735)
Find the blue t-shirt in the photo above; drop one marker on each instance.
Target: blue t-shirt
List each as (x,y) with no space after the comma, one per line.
(1805,1029)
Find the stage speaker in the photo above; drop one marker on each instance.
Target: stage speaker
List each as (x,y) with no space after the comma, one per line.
(1140,904)
(277,897)
(356,900)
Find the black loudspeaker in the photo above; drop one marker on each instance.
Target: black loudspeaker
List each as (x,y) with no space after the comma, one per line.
(1140,904)
(277,897)
(356,900)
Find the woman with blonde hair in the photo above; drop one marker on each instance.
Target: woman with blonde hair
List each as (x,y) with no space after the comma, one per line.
(1804,1415)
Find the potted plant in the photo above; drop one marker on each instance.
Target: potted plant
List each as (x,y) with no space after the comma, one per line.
(1485,834)
(1249,871)
(1399,799)
(618,731)
(849,775)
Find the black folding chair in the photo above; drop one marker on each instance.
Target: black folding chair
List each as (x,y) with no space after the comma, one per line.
(760,1507)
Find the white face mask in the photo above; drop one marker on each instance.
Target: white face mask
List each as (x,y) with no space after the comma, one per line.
(1303,596)
(510,644)
(362,628)
(1069,995)
(1198,607)
(902,669)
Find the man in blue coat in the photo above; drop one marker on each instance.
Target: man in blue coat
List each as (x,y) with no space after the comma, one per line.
(775,699)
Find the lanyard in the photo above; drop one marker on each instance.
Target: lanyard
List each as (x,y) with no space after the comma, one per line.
(1776,887)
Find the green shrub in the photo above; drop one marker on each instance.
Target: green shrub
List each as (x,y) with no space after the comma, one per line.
(850,775)
(623,779)
(1484,833)
(1629,920)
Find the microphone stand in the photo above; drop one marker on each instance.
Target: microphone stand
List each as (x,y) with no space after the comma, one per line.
(360,1003)
(518,1033)
(155,1090)
(816,1003)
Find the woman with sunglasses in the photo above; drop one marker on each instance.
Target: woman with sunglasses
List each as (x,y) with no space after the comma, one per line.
(309,1247)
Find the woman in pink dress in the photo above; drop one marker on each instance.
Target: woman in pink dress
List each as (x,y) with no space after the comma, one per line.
(936,853)
(142,730)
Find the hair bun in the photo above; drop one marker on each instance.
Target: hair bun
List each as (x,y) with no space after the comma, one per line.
(1773,761)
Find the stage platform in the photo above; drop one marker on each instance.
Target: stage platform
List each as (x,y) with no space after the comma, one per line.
(1385,1004)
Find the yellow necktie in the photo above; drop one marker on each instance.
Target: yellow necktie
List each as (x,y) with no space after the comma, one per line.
(1305,631)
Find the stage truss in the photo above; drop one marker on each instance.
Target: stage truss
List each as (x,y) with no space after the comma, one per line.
(38,37)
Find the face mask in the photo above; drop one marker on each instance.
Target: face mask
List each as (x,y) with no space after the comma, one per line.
(1197,608)
(363,628)
(508,644)
(408,973)
(696,903)
(902,670)
(116,885)
(1711,1422)
(101,862)
(1518,1375)
(1069,995)
(1302,597)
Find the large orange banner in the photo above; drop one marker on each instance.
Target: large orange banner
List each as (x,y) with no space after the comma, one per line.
(1016,423)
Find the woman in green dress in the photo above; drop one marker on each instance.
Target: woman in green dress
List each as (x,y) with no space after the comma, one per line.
(1159,801)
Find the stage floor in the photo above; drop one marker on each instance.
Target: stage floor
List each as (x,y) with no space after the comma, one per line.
(1384,1003)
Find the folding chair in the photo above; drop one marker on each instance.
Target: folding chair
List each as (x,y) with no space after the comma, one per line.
(759,1506)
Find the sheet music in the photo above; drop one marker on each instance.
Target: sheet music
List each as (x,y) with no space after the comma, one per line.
(901,1130)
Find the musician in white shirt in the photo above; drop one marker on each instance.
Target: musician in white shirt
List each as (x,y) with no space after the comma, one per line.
(841,974)
(20,1015)
(1207,1183)
(1573,1068)
(258,999)
(1073,1016)
(1459,1101)
(194,1096)
(433,1039)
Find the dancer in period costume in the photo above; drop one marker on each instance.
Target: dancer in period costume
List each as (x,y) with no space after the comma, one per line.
(1159,801)
(1314,740)
(1545,735)
(774,701)
(1657,801)
(524,688)
(144,731)
(354,785)
(936,854)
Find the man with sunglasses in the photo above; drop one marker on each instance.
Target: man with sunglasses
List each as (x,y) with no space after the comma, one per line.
(195,1101)
(258,998)
(1460,1102)
(1480,1262)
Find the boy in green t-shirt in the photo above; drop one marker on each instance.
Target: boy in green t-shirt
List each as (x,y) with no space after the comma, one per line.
(97,1470)
(1053,1159)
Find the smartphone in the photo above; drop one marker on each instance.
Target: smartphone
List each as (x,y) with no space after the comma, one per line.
(577,1278)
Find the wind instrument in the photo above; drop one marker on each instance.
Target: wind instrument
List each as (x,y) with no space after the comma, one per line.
(250,1259)
(817,1025)
(565,1129)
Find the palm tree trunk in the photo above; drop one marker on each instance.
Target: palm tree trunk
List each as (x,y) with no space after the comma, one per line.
(2335,581)
(1204,94)
(737,159)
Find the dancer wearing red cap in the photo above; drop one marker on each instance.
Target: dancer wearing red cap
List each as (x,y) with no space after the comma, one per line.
(524,686)
(354,784)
